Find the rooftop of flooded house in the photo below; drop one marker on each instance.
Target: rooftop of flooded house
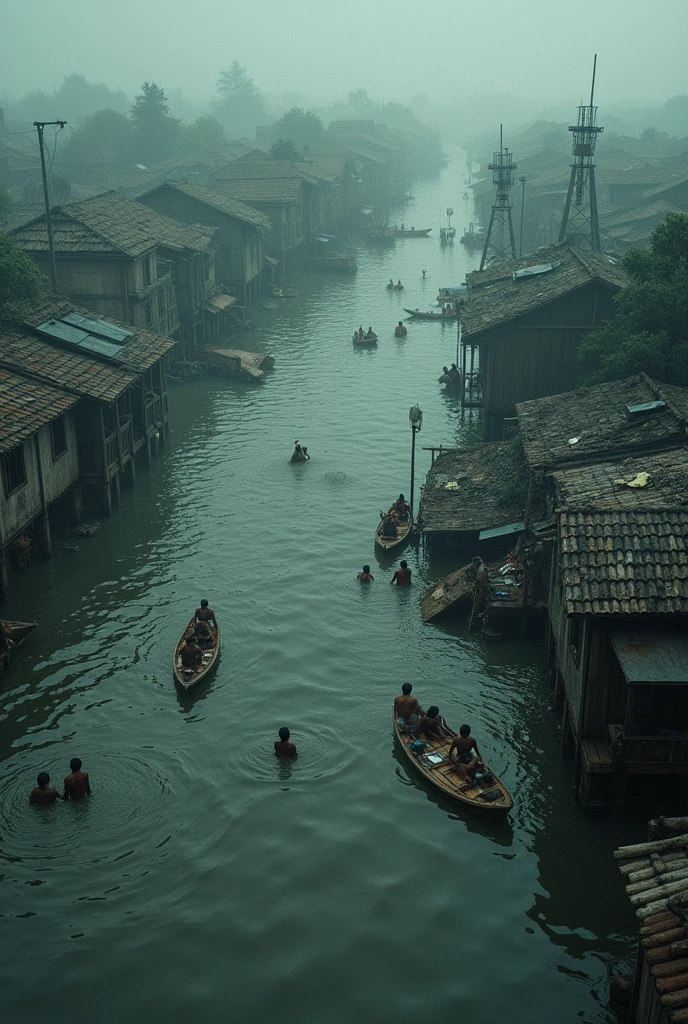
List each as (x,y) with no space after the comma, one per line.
(217,200)
(646,481)
(25,406)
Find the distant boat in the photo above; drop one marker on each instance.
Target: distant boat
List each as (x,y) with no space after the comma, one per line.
(382,233)
(412,232)
(420,315)
(473,238)
(403,530)
(365,340)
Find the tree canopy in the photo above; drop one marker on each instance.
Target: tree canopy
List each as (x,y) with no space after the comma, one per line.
(241,106)
(284,149)
(20,279)
(105,133)
(156,133)
(650,329)
(302,127)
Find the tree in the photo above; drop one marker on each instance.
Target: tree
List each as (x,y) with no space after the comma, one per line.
(20,279)
(650,329)
(302,127)
(156,134)
(5,205)
(241,106)
(284,149)
(205,131)
(103,134)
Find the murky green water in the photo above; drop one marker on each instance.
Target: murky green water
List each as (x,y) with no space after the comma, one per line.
(202,881)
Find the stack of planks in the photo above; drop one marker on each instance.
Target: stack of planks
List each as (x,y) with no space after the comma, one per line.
(657,884)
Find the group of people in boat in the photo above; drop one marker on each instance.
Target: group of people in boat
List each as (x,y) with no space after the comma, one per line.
(200,639)
(463,755)
(399,512)
(76,785)
(451,376)
(402,576)
(360,335)
(300,453)
(398,287)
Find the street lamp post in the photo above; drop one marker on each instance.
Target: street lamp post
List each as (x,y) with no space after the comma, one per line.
(415,422)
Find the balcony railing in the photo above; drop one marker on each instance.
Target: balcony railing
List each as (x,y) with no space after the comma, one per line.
(667,749)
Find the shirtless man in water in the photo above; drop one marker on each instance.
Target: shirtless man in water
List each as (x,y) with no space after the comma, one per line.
(407,710)
(43,794)
(76,784)
(283,746)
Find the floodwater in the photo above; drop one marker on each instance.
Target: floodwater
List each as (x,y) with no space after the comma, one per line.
(204,880)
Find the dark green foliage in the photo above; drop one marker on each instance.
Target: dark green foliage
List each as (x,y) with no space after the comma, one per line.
(74,101)
(241,107)
(5,206)
(284,149)
(205,131)
(650,329)
(515,486)
(20,279)
(156,134)
(105,136)
(302,127)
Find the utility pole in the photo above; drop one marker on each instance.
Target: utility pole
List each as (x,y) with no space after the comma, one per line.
(522,179)
(40,128)
(500,243)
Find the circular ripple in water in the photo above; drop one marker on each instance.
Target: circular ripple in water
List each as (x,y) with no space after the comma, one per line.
(127,803)
(321,753)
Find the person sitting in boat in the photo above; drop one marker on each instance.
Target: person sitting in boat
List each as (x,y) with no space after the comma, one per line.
(399,286)
(205,614)
(391,283)
(192,655)
(401,507)
(389,527)
(430,724)
(407,710)
(402,576)
(371,334)
(400,331)
(283,746)
(366,575)
(464,754)
(297,455)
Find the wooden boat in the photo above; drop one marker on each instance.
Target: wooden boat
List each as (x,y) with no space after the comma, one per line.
(412,232)
(491,798)
(365,340)
(403,530)
(443,595)
(473,238)
(16,634)
(418,314)
(233,362)
(187,677)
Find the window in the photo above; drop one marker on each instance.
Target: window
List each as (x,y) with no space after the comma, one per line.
(14,470)
(58,434)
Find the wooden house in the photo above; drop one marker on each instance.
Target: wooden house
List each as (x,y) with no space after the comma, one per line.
(674,191)
(117,372)
(524,320)
(655,874)
(38,454)
(281,202)
(108,259)
(240,235)
(618,605)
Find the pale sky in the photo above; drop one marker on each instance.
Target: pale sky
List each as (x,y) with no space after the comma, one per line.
(540,49)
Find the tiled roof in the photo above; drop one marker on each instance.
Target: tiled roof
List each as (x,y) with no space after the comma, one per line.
(597,417)
(25,406)
(624,563)
(477,503)
(641,213)
(270,190)
(259,170)
(111,223)
(24,350)
(495,298)
(654,875)
(667,186)
(217,200)
(637,174)
(598,486)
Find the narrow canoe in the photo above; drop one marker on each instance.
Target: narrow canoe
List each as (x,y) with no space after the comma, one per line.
(403,530)
(16,634)
(413,232)
(187,677)
(420,315)
(490,799)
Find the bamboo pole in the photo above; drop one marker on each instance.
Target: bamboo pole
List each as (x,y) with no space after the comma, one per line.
(656,881)
(641,849)
(669,969)
(664,938)
(641,898)
(677,999)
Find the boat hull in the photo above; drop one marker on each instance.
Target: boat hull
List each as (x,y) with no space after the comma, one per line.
(189,679)
(387,543)
(418,314)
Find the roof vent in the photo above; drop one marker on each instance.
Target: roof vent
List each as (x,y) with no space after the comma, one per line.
(636,412)
(541,268)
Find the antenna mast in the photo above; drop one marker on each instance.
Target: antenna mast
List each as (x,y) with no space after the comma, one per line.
(580,223)
(500,243)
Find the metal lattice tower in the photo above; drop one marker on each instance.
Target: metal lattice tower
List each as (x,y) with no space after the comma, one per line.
(580,223)
(500,243)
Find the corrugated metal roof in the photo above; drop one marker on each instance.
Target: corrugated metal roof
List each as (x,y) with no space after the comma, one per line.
(25,406)
(652,657)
